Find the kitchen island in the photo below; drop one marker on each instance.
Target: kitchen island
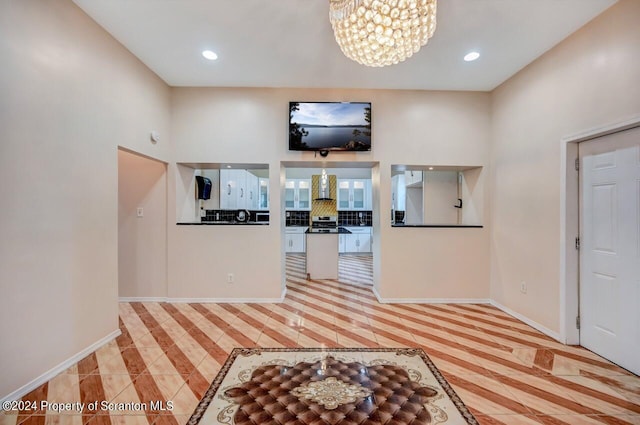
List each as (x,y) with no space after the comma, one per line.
(322,253)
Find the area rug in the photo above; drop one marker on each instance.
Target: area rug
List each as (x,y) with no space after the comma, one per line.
(330,386)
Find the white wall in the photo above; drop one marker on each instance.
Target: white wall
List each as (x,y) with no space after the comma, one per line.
(69,95)
(340,173)
(142,241)
(245,125)
(414,205)
(588,80)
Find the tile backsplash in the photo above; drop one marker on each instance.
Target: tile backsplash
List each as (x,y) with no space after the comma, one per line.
(355,218)
(297,218)
(219,215)
(228,215)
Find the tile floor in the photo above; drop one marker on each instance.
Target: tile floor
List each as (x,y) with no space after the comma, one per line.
(505,371)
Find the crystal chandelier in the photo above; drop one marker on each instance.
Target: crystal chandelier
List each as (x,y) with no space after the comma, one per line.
(382,32)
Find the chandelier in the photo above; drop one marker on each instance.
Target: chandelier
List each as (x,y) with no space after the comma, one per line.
(382,32)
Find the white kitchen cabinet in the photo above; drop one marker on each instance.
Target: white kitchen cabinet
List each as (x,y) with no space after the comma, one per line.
(297,194)
(251,192)
(232,189)
(295,240)
(263,194)
(342,243)
(354,195)
(358,241)
(240,189)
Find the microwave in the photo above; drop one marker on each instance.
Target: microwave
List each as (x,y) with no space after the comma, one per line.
(262,217)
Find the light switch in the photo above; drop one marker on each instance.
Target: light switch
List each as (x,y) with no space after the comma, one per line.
(140,212)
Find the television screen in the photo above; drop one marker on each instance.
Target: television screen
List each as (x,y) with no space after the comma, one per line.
(329,126)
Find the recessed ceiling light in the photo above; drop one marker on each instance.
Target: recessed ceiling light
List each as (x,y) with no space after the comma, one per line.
(211,55)
(430,168)
(471,56)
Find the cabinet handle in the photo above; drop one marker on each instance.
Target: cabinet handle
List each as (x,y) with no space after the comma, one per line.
(251,195)
(229,189)
(241,192)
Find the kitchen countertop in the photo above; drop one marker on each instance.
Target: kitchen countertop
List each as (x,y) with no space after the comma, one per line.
(223,223)
(345,225)
(439,225)
(340,230)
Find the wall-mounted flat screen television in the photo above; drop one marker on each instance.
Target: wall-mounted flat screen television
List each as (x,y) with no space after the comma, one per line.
(329,126)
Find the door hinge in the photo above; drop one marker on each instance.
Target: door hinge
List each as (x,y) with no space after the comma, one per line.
(577,163)
(578,243)
(577,322)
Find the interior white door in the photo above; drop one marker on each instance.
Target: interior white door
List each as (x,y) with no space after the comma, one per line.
(610,247)
(440,196)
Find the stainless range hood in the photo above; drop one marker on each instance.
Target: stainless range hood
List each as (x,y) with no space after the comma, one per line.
(324,188)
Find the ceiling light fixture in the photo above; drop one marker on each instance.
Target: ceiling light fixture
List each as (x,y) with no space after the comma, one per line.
(471,56)
(211,55)
(382,32)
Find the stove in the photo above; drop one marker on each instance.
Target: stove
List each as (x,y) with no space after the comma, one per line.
(324,224)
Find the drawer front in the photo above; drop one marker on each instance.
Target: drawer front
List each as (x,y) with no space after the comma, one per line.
(361,230)
(295,229)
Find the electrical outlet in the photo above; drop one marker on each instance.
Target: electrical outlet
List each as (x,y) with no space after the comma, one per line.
(140,212)
(523,287)
(229,277)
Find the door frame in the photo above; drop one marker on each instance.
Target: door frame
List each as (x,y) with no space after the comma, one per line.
(569,224)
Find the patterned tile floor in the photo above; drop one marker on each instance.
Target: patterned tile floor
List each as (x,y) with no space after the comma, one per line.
(505,371)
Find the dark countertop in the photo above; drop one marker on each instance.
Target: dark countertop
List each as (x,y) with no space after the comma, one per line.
(453,226)
(341,230)
(223,223)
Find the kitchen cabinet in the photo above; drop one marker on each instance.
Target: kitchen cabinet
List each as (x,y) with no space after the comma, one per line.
(354,194)
(232,189)
(251,192)
(295,240)
(297,194)
(359,240)
(263,194)
(240,189)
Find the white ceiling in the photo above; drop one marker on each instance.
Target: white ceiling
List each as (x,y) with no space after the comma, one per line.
(289,43)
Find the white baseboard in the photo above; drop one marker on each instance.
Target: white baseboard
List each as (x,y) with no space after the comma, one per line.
(142,299)
(224,300)
(47,376)
(524,319)
(430,300)
(377,294)
(230,300)
(203,300)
